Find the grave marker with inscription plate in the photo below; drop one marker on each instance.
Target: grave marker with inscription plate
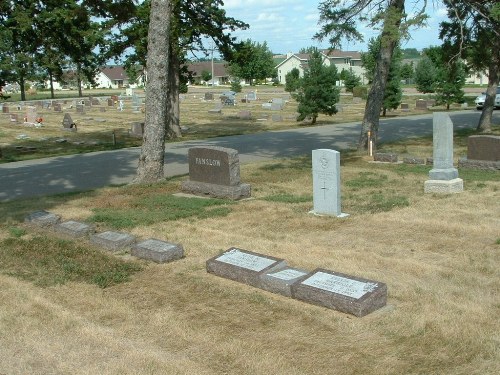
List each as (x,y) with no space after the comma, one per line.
(338,291)
(158,251)
(113,241)
(215,172)
(281,281)
(244,266)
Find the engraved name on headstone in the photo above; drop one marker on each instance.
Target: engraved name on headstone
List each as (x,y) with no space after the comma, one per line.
(338,291)
(243,266)
(326,183)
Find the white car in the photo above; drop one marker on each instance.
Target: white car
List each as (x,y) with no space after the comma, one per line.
(481,98)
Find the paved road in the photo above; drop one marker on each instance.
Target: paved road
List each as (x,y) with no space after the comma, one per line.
(88,171)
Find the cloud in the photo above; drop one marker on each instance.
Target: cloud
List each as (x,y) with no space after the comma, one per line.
(269,17)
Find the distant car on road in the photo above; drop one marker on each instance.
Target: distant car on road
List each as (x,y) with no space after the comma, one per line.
(481,98)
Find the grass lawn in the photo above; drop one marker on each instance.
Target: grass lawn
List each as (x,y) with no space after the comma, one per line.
(68,308)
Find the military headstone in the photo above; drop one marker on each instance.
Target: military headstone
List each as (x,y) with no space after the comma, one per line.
(158,251)
(215,172)
(42,218)
(281,281)
(443,176)
(244,266)
(74,229)
(341,292)
(113,241)
(326,183)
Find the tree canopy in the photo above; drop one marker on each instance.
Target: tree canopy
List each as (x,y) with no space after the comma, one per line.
(252,61)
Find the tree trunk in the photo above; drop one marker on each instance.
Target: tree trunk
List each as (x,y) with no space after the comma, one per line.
(173,110)
(152,156)
(51,85)
(484,124)
(79,80)
(23,91)
(390,37)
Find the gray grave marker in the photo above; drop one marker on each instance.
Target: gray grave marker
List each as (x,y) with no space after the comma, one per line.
(243,266)
(280,282)
(209,96)
(113,241)
(42,218)
(421,104)
(326,183)
(74,229)
(31,114)
(443,176)
(158,251)
(252,95)
(215,172)
(137,129)
(57,107)
(338,291)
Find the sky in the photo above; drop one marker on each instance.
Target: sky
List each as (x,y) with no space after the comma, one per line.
(289,25)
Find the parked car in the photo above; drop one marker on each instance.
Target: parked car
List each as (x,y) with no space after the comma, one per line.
(481,98)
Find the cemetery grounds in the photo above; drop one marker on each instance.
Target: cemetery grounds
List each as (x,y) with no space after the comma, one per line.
(68,308)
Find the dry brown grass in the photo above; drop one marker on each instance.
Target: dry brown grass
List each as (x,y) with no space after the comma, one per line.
(438,257)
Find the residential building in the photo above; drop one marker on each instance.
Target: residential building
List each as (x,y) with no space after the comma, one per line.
(221,75)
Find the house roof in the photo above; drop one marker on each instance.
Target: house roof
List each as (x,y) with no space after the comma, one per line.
(355,55)
(114,72)
(220,68)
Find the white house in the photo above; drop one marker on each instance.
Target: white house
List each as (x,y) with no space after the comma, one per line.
(113,76)
(341,59)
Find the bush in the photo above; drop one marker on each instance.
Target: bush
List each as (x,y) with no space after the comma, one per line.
(360,92)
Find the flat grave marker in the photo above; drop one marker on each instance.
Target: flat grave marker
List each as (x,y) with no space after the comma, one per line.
(281,281)
(158,251)
(74,229)
(243,266)
(42,218)
(113,241)
(338,291)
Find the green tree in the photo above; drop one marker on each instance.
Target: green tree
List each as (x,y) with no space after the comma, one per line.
(206,75)
(351,80)
(252,61)
(339,20)
(393,93)
(407,72)
(236,85)
(473,34)
(318,92)
(292,80)
(425,75)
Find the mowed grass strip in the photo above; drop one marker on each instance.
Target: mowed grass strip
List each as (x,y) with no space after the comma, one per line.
(48,261)
(157,208)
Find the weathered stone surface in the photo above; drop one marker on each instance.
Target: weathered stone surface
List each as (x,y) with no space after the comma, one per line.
(479,164)
(240,191)
(158,251)
(244,266)
(405,107)
(483,147)
(280,282)
(137,129)
(421,104)
(444,186)
(42,218)
(113,241)
(413,160)
(74,229)
(442,138)
(338,291)
(385,157)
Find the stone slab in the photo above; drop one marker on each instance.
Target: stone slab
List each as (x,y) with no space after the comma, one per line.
(442,139)
(479,164)
(385,157)
(280,282)
(455,185)
(42,218)
(157,250)
(244,266)
(338,291)
(113,241)
(483,147)
(204,189)
(214,165)
(74,229)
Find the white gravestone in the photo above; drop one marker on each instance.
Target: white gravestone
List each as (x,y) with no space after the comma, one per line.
(326,183)
(443,177)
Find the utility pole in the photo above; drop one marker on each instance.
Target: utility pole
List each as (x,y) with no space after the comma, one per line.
(212,63)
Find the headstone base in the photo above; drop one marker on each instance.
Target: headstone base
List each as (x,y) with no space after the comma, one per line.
(341,215)
(280,282)
(216,191)
(443,174)
(455,185)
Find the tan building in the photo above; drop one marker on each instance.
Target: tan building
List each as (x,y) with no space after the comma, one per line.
(341,59)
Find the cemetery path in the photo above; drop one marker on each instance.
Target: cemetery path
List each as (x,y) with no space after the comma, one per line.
(89,171)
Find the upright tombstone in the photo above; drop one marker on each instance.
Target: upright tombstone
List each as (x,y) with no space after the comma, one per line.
(443,177)
(326,183)
(252,95)
(209,96)
(79,108)
(5,108)
(338,291)
(137,129)
(244,266)
(421,104)
(57,107)
(31,114)
(215,172)
(67,122)
(110,102)
(483,152)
